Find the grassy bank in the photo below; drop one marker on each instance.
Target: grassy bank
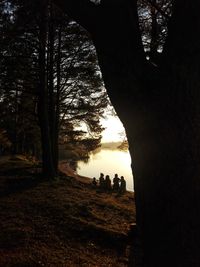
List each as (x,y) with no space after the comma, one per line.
(62,223)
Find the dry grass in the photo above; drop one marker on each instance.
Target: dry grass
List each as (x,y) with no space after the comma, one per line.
(63,223)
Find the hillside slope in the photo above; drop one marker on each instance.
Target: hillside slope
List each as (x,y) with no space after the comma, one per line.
(63,223)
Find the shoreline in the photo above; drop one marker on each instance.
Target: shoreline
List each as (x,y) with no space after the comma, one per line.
(64,167)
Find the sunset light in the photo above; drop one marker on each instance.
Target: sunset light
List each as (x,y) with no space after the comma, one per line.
(114,131)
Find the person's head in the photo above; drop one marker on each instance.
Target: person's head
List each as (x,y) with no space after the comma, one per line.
(94,178)
(107,177)
(101,174)
(116,175)
(122,177)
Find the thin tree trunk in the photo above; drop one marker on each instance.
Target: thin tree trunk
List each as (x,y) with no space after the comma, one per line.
(52,111)
(57,111)
(43,105)
(15,143)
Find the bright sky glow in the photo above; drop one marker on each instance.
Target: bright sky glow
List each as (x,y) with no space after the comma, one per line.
(114,129)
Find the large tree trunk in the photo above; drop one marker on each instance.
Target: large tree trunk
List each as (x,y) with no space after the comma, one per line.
(180,81)
(159,108)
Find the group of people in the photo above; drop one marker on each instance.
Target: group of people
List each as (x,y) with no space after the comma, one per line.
(118,186)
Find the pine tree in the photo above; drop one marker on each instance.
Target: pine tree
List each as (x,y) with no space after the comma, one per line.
(49,79)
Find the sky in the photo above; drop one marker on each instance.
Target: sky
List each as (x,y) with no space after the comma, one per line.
(113,130)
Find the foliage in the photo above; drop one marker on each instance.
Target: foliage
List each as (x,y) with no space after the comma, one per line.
(153,19)
(75,92)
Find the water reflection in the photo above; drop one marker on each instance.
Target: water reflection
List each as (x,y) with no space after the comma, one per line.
(109,162)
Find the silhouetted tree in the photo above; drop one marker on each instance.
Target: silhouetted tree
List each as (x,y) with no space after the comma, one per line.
(17,83)
(49,79)
(158,103)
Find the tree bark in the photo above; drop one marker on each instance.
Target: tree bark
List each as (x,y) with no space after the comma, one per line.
(57,100)
(160,109)
(52,100)
(43,105)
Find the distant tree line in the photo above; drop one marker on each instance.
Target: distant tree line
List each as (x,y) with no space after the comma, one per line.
(50,83)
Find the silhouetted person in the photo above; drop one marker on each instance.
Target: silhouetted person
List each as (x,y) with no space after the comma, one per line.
(108,183)
(122,188)
(101,181)
(116,183)
(94,182)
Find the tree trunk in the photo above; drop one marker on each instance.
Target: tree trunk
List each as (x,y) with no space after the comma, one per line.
(160,110)
(16,121)
(57,100)
(43,105)
(180,81)
(52,107)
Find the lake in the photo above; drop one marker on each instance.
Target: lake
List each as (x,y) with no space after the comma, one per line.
(108,161)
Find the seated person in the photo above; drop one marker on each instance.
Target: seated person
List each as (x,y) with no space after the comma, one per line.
(94,182)
(108,183)
(101,181)
(122,188)
(116,183)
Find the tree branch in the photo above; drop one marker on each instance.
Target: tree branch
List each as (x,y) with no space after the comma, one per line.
(84,12)
(159,9)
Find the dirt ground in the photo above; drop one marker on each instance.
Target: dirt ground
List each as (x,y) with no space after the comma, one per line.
(62,223)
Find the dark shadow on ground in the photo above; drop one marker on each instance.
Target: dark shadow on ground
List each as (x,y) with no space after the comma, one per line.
(17,175)
(18,183)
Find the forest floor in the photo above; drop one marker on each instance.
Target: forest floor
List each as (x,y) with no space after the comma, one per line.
(64,223)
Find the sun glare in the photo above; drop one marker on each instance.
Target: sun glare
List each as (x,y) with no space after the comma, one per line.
(114,131)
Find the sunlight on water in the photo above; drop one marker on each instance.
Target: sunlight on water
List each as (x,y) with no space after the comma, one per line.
(109,162)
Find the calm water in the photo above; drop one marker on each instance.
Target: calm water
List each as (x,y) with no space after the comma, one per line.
(109,162)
